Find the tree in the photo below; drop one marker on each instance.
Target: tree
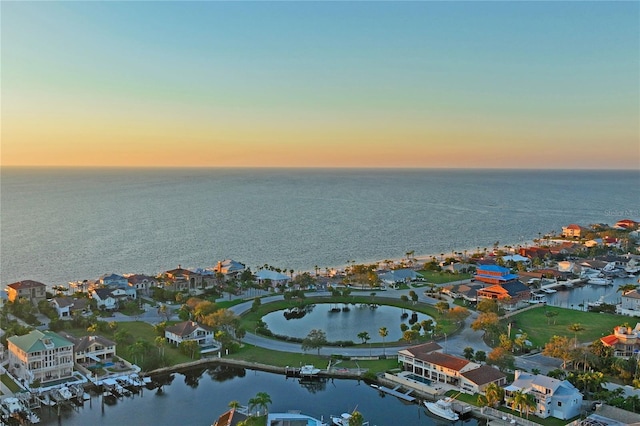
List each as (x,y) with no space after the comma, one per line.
(488,305)
(480,356)
(626,288)
(410,335)
(558,347)
(468,353)
(414,296)
(189,347)
(521,340)
(494,394)
(442,306)
(234,405)
(521,401)
(458,313)
(262,400)
(549,315)
(383,332)
(160,343)
(316,339)
(364,336)
(576,328)
(501,358)
(356,419)
(487,321)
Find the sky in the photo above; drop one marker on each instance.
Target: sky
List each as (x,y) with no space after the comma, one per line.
(478,84)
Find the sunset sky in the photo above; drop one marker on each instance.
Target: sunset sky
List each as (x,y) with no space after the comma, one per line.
(321,84)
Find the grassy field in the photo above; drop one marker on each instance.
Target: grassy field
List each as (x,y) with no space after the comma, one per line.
(540,328)
(249,319)
(283,359)
(442,277)
(13,386)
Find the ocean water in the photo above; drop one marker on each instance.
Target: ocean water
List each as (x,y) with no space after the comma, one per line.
(59,225)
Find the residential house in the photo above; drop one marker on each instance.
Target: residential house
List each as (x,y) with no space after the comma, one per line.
(109,299)
(190,330)
(33,291)
(233,417)
(511,293)
(554,398)
(426,361)
(229,267)
(630,303)
(626,224)
(118,282)
(399,276)
(275,278)
(494,274)
(534,252)
(70,306)
(181,279)
(142,283)
(42,356)
(91,349)
(573,231)
(625,341)
(468,292)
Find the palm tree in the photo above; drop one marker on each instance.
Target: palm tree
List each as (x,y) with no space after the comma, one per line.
(521,401)
(263,400)
(234,405)
(576,328)
(494,395)
(356,419)
(383,333)
(626,288)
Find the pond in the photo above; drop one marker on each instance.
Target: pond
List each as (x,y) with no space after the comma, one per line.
(343,325)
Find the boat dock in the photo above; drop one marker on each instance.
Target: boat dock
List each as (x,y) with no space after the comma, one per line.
(394,392)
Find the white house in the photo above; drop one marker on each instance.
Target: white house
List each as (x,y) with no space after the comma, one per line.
(276,278)
(629,304)
(67,306)
(555,398)
(189,330)
(91,349)
(399,276)
(107,298)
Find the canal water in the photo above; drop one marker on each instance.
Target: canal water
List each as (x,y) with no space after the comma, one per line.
(198,397)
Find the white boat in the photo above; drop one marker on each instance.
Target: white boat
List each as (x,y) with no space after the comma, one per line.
(65,392)
(600,281)
(13,405)
(549,290)
(537,298)
(343,420)
(309,370)
(597,303)
(442,408)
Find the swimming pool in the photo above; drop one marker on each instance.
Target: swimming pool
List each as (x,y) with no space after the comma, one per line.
(416,378)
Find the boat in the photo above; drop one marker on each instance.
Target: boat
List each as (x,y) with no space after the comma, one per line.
(597,303)
(599,281)
(343,420)
(537,298)
(65,393)
(549,290)
(442,408)
(309,370)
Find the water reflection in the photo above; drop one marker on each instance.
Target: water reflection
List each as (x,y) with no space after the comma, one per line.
(343,322)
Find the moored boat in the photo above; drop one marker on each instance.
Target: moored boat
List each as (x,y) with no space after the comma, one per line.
(309,370)
(442,408)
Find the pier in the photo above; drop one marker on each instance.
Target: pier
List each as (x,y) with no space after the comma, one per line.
(394,392)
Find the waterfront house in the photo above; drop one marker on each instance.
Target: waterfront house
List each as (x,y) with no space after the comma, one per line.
(181,279)
(399,276)
(494,274)
(91,349)
(107,298)
(229,267)
(428,362)
(630,303)
(66,307)
(625,341)
(468,292)
(44,356)
(626,224)
(142,283)
(554,398)
(190,330)
(573,231)
(113,281)
(512,292)
(275,278)
(232,418)
(33,291)
(535,252)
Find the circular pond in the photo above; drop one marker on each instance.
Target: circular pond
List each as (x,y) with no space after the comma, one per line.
(343,325)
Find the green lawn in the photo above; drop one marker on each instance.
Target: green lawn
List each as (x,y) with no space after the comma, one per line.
(283,359)
(249,319)
(13,386)
(540,329)
(442,277)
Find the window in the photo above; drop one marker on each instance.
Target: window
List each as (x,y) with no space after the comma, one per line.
(559,403)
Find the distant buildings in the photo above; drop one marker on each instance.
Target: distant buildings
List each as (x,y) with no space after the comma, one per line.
(40,356)
(573,231)
(494,274)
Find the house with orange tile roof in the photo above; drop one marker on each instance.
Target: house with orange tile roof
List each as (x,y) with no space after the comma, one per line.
(181,279)
(512,293)
(33,291)
(573,231)
(625,341)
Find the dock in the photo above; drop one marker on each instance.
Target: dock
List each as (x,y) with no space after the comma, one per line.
(394,392)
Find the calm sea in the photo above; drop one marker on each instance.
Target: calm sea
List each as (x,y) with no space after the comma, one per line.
(59,225)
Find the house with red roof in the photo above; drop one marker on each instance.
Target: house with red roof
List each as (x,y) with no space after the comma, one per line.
(625,341)
(180,279)
(33,291)
(573,231)
(627,224)
(428,362)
